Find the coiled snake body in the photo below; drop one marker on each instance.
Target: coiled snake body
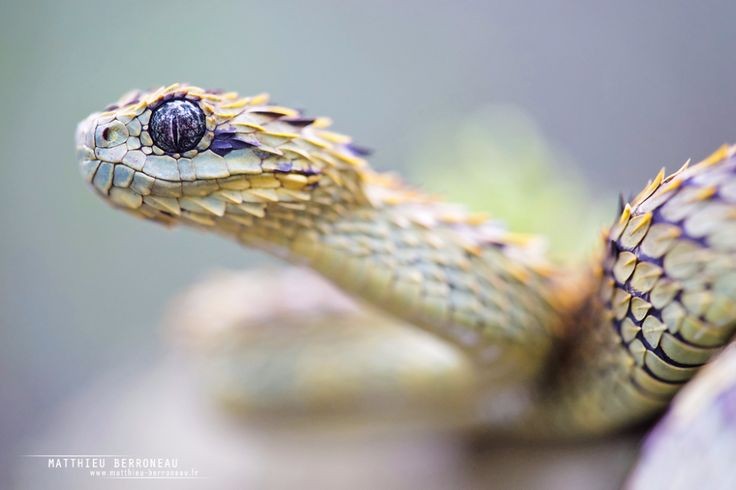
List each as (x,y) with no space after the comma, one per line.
(588,352)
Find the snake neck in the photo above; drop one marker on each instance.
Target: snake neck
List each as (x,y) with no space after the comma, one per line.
(462,277)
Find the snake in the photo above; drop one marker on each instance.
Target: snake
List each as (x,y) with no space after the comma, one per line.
(554,351)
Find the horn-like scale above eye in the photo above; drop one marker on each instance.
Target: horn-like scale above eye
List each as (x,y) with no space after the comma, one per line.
(177,126)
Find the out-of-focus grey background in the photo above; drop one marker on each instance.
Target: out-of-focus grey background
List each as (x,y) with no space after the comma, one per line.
(620,88)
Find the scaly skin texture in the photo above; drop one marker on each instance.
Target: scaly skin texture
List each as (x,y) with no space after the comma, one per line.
(318,358)
(665,301)
(591,355)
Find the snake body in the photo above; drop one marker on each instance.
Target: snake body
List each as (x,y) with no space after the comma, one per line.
(590,350)
(319,359)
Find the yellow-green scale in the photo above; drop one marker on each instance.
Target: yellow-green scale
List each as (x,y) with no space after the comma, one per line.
(439,276)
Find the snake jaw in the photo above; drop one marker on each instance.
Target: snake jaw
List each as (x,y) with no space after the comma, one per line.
(213,159)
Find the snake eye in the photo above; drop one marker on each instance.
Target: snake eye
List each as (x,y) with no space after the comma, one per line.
(177,126)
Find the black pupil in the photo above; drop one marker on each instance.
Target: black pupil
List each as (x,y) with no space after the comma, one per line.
(177,126)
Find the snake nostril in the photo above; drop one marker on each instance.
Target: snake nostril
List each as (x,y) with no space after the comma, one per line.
(113,134)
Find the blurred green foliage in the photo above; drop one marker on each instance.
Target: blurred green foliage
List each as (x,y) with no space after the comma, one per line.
(498,162)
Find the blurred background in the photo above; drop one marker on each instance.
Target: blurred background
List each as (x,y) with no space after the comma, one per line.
(562,102)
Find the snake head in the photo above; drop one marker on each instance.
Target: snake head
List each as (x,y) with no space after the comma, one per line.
(211,158)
